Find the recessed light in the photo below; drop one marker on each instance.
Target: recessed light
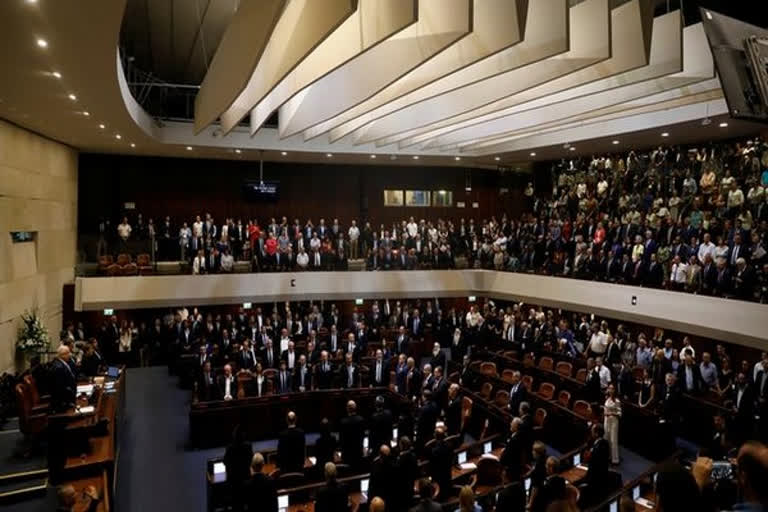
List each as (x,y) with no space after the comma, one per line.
(572,148)
(329,155)
(118,136)
(102,126)
(238,151)
(497,158)
(415,157)
(72,97)
(615,142)
(457,158)
(283,153)
(42,43)
(56,74)
(86,113)
(189,148)
(31,1)
(133,145)
(533,154)
(373,156)
(723,125)
(665,134)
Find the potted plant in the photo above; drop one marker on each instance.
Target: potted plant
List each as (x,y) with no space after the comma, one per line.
(32,336)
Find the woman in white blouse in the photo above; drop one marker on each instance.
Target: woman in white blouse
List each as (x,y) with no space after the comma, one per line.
(611,416)
(126,338)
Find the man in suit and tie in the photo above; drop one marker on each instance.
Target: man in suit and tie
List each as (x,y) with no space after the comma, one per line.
(689,376)
(439,386)
(207,384)
(262,491)
(247,356)
(268,355)
(290,356)
(427,419)
(302,375)
(64,384)
(512,456)
(402,341)
(379,370)
(416,325)
(352,347)
(323,372)
(517,393)
(333,340)
(453,410)
(743,397)
(349,374)
(291,447)
(313,354)
(595,480)
(284,379)
(227,384)
(381,425)
(351,434)
(441,463)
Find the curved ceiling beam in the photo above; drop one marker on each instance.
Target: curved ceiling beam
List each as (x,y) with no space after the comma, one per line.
(631,27)
(496,25)
(440,24)
(371,23)
(303,25)
(698,66)
(231,67)
(589,34)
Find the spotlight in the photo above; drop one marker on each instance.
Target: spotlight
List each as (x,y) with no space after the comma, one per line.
(56,74)
(42,43)
(457,158)
(533,153)
(118,136)
(615,142)
(723,125)
(72,97)
(665,134)
(283,153)
(497,158)
(189,148)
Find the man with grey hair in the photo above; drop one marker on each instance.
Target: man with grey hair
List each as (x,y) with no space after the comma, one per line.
(64,383)
(333,496)
(262,494)
(512,456)
(517,393)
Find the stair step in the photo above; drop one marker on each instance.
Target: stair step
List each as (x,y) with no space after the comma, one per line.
(23,476)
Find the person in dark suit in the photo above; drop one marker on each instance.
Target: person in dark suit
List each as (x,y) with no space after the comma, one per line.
(654,275)
(512,456)
(324,372)
(237,460)
(291,447)
(426,503)
(93,361)
(380,432)
(512,497)
(351,434)
(349,375)
(743,397)
(283,379)
(402,341)
(744,279)
(427,418)
(269,356)
(380,370)
(453,409)
(599,464)
(526,430)
(246,358)
(383,475)
(517,393)
(333,496)
(262,491)
(207,385)
(413,379)
(325,445)
(441,462)
(689,376)
(625,382)
(437,358)
(302,375)
(63,382)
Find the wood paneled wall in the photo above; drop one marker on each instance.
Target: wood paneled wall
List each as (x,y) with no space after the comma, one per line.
(183,188)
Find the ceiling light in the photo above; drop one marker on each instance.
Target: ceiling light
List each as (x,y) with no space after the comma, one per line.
(102,126)
(189,148)
(615,142)
(72,97)
(238,151)
(329,155)
(665,134)
(373,156)
(56,74)
(723,125)
(42,43)
(533,154)
(573,148)
(86,113)
(133,145)
(497,158)
(118,136)
(415,157)
(457,158)
(31,1)
(283,153)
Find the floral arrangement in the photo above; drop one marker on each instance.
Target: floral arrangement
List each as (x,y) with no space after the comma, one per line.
(32,336)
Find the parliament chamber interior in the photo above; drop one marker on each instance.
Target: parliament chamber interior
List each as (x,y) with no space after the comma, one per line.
(383,255)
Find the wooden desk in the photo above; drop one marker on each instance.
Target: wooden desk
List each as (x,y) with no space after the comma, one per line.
(574,474)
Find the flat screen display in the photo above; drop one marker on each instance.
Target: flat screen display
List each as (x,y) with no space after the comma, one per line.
(261,191)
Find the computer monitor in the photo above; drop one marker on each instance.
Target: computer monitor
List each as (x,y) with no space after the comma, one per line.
(218,468)
(462,457)
(113,372)
(364,485)
(365,442)
(487,447)
(282,502)
(313,460)
(636,492)
(527,484)
(394,434)
(577,459)
(614,506)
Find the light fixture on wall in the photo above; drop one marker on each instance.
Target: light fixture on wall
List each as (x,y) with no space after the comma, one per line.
(467,181)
